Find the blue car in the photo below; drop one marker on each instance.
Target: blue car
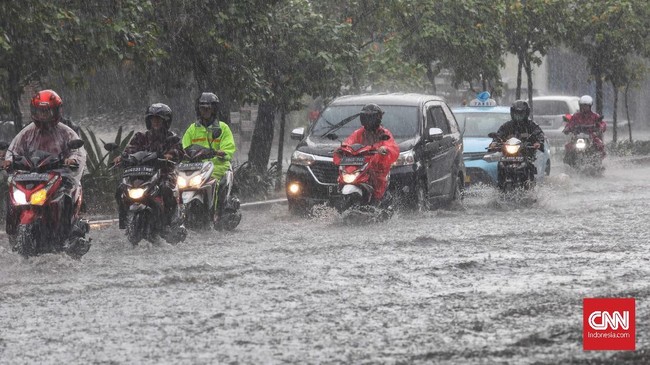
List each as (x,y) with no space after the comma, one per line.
(477,122)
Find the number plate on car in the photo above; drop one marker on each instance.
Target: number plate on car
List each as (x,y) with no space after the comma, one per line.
(353,161)
(512,158)
(190,166)
(139,171)
(32,177)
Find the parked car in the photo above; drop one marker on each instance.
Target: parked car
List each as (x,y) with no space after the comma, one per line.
(476,122)
(429,168)
(549,112)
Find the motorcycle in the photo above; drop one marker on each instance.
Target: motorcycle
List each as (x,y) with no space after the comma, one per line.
(581,152)
(142,180)
(516,163)
(43,205)
(199,192)
(355,191)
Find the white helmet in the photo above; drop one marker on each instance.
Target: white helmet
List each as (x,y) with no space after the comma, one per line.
(586,100)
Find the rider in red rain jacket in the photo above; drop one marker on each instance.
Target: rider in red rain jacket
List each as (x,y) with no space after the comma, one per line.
(585,117)
(371,135)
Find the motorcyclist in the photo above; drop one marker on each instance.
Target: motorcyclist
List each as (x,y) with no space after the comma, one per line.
(158,119)
(373,134)
(201,132)
(586,118)
(46,133)
(520,126)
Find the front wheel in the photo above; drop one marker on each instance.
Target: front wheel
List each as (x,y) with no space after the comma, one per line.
(135,227)
(26,240)
(422,203)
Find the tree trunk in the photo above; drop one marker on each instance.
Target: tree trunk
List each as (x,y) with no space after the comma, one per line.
(529,75)
(520,65)
(598,75)
(260,149)
(15,92)
(283,119)
(432,78)
(627,111)
(615,111)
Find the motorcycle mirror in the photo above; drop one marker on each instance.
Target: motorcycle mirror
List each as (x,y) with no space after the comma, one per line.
(4,145)
(75,144)
(111,146)
(216,133)
(173,139)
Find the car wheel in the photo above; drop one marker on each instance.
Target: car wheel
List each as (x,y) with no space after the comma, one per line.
(457,193)
(547,170)
(422,203)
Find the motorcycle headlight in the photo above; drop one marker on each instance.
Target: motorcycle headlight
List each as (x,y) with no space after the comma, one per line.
(136,193)
(349,178)
(302,159)
(38,198)
(196,181)
(181,182)
(405,159)
(20,197)
(512,149)
(581,144)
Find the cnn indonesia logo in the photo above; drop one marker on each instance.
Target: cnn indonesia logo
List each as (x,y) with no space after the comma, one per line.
(608,324)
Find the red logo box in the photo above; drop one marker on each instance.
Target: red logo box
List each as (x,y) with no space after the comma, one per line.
(608,324)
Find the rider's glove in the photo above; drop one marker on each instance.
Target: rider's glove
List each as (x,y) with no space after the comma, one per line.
(382,150)
(220,154)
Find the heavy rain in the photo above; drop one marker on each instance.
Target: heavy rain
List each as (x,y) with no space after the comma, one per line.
(477,275)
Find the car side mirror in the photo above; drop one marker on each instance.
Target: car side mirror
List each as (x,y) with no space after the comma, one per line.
(216,133)
(434,134)
(4,145)
(298,134)
(110,147)
(75,144)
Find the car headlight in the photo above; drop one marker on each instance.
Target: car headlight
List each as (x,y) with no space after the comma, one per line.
(181,182)
(38,198)
(20,197)
(512,149)
(302,159)
(136,193)
(349,178)
(196,181)
(405,158)
(581,144)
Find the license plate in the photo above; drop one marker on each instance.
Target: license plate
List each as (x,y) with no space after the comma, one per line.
(139,171)
(512,158)
(32,177)
(190,166)
(332,189)
(353,161)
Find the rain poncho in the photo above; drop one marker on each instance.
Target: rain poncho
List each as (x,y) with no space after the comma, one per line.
(53,140)
(196,133)
(155,142)
(379,164)
(527,131)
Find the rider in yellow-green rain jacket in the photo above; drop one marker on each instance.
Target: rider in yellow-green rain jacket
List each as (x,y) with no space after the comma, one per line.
(200,132)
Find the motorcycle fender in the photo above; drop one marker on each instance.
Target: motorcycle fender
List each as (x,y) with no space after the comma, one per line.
(27,216)
(188,196)
(351,189)
(138,207)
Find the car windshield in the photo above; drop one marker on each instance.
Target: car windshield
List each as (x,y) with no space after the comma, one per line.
(480,124)
(401,121)
(554,107)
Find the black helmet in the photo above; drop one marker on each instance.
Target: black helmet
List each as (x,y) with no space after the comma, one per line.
(161,110)
(371,116)
(211,100)
(520,111)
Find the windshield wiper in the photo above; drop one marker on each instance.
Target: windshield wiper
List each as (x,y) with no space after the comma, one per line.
(340,124)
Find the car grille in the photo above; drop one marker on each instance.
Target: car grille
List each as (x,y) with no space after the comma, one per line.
(325,172)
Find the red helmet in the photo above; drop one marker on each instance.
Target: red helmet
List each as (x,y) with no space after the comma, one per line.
(46,108)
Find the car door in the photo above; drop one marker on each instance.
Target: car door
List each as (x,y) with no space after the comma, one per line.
(437,152)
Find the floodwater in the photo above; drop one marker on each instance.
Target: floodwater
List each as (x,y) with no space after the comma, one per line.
(489,282)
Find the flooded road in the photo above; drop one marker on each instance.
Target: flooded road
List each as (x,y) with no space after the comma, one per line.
(487,283)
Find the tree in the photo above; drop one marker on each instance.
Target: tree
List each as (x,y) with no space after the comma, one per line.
(39,39)
(608,33)
(530,28)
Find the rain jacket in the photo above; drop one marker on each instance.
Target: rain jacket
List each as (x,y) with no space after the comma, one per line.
(379,164)
(589,119)
(528,131)
(53,140)
(155,142)
(196,133)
